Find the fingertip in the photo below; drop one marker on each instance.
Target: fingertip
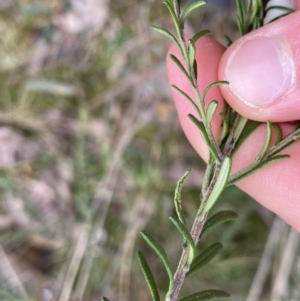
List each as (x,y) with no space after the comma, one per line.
(263,71)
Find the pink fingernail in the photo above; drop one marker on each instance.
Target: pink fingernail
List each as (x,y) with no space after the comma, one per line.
(260,71)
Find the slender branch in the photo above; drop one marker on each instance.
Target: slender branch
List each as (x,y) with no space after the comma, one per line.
(185,262)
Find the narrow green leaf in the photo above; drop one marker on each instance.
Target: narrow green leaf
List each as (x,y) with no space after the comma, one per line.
(249,128)
(218,218)
(191,55)
(279,17)
(177,197)
(187,97)
(148,276)
(175,19)
(169,2)
(195,69)
(204,135)
(241,10)
(199,35)
(232,116)
(241,176)
(155,245)
(219,185)
(184,232)
(205,257)
(211,109)
(181,67)
(165,32)
(207,295)
(190,8)
(238,129)
(225,127)
(104,299)
(228,40)
(267,142)
(215,84)
(284,8)
(278,132)
(240,26)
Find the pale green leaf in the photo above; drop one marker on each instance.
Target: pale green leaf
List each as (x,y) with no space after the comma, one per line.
(187,97)
(148,276)
(204,135)
(267,142)
(204,257)
(165,32)
(218,218)
(215,84)
(155,245)
(278,132)
(238,129)
(211,109)
(181,67)
(191,55)
(240,4)
(249,128)
(199,35)
(177,197)
(207,295)
(225,127)
(191,8)
(219,185)
(176,21)
(184,232)
(240,26)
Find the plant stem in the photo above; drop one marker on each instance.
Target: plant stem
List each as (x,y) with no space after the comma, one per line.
(185,262)
(200,219)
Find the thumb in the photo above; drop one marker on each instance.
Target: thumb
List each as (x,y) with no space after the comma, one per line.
(263,70)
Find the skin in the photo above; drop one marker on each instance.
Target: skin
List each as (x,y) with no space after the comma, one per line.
(277,187)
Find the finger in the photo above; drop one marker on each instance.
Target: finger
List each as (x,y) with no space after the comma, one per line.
(263,69)
(208,55)
(276,186)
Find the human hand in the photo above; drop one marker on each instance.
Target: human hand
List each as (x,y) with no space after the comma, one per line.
(263,69)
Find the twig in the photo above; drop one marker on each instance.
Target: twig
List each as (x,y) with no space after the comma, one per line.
(76,260)
(280,286)
(265,261)
(11,274)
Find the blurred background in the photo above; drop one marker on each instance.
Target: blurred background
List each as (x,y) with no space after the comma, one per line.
(90,153)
